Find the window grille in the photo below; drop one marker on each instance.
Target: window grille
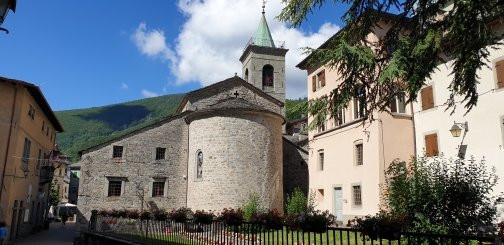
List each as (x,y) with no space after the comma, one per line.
(114,188)
(117,151)
(359,154)
(158,189)
(160,153)
(357,195)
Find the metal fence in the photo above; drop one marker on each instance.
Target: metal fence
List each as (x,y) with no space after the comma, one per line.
(188,232)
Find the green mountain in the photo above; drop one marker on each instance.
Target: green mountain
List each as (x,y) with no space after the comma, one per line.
(91,126)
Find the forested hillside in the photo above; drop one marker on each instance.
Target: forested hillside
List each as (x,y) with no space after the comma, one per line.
(91,126)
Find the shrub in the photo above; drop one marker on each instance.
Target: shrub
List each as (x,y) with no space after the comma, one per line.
(202,217)
(251,207)
(180,214)
(114,213)
(145,215)
(231,217)
(133,214)
(439,194)
(296,202)
(122,213)
(381,225)
(500,233)
(270,220)
(160,215)
(313,221)
(105,212)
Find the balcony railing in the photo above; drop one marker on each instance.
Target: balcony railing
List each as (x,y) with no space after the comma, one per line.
(265,42)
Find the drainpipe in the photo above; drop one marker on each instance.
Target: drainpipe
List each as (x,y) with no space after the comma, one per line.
(8,142)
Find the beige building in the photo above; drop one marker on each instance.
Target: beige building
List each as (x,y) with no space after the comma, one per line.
(348,157)
(28,130)
(61,178)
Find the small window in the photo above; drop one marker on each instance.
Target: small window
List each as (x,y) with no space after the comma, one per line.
(320,194)
(357,195)
(499,68)
(199,165)
(114,188)
(117,151)
(359,102)
(322,127)
(398,104)
(47,131)
(321,160)
(246,75)
(160,153)
(431,145)
(158,189)
(31,112)
(318,81)
(39,162)
(427,97)
(267,76)
(43,125)
(359,154)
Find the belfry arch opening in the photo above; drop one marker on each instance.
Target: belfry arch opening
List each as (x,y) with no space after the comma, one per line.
(267,76)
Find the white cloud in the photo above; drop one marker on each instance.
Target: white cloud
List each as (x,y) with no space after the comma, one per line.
(214,35)
(149,94)
(124,86)
(152,43)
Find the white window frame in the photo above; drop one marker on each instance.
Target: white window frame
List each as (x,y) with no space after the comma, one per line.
(110,178)
(320,160)
(353,195)
(396,101)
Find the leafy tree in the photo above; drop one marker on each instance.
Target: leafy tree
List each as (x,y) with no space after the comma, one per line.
(410,51)
(440,195)
(296,109)
(54,198)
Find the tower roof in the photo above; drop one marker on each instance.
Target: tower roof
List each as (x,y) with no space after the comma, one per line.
(263,34)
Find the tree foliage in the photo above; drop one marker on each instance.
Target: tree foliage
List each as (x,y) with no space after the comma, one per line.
(440,195)
(420,37)
(296,108)
(54,198)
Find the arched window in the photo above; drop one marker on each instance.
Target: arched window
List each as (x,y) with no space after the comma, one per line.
(246,75)
(267,76)
(199,164)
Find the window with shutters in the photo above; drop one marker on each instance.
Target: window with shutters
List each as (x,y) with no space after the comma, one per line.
(318,81)
(26,152)
(431,145)
(339,118)
(499,68)
(427,97)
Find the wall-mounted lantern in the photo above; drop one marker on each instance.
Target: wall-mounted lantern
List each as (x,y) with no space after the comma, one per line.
(456,131)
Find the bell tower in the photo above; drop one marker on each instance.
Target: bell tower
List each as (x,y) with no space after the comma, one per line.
(263,61)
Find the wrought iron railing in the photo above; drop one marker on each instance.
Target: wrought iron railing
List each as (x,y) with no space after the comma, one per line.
(265,42)
(189,232)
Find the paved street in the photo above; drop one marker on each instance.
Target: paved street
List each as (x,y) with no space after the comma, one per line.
(56,235)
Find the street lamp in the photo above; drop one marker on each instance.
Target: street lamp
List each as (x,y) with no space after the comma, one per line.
(456,131)
(5,5)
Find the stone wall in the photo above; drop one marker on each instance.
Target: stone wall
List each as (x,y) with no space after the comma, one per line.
(295,168)
(226,91)
(137,169)
(242,154)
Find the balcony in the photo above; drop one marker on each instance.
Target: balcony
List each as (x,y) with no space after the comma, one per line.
(46,174)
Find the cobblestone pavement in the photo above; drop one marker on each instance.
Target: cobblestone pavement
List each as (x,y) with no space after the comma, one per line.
(56,235)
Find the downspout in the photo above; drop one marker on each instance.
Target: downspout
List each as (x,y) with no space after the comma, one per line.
(8,141)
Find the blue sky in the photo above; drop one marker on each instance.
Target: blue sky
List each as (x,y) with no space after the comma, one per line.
(91,53)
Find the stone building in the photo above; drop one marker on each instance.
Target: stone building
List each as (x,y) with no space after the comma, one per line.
(28,128)
(224,143)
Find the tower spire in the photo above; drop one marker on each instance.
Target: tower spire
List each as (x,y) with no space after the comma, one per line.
(263,6)
(263,34)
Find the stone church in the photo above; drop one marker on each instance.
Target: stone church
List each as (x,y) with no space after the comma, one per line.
(224,142)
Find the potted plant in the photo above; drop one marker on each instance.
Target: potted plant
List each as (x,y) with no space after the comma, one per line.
(202,217)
